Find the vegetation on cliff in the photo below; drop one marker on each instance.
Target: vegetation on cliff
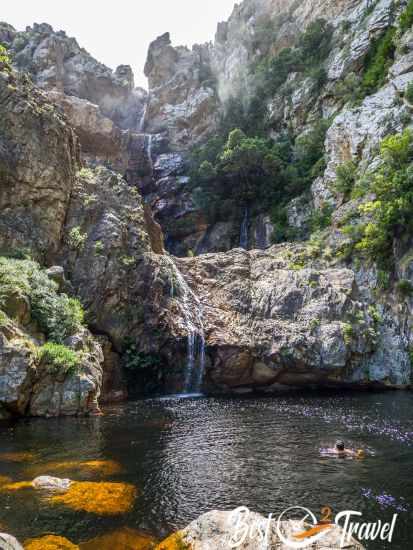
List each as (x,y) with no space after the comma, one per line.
(27,295)
(389,213)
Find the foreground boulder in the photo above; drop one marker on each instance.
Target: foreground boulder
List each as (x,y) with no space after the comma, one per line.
(216,530)
(7,542)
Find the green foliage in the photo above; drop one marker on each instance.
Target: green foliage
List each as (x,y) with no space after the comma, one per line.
(409,93)
(390,214)
(244,171)
(76,239)
(4,320)
(378,61)
(58,359)
(406,18)
(4,57)
(348,333)
(312,49)
(383,279)
(136,360)
(99,247)
(346,178)
(321,218)
(315,42)
(404,288)
(349,89)
(58,315)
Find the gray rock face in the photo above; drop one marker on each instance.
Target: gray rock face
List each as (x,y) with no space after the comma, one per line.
(182,99)
(28,387)
(56,61)
(279,317)
(37,175)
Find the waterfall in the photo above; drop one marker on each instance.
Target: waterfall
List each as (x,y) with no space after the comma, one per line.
(148,149)
(243,237)
(192,313)
(141,125)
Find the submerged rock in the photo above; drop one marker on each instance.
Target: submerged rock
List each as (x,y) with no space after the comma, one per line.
(101,498)
(52,484)
(49,542)
(125,539)
(81,467)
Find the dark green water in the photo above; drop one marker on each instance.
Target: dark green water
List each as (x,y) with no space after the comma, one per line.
(188,456)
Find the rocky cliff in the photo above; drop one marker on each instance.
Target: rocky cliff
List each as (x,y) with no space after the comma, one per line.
(301,277)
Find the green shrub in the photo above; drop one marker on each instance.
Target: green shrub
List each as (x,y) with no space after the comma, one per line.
(136,360)
(4,320)
(406,18)
(99,247)
(315,42)
(59,359)
(4,57)
(378,61)
(391,212)
(58,315)
(321,218)
(348,333)
(404,288)
(76,239)
(349,89)
(383,279)
(409,93)
(346,178)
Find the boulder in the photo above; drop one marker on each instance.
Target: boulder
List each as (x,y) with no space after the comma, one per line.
(218,530)
(51,484)
(7,542)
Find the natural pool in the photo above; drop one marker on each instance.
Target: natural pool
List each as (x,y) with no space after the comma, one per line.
(190,455)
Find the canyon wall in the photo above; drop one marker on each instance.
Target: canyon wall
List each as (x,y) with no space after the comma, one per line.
(102,189)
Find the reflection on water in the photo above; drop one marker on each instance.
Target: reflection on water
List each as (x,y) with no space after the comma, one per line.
(186,456)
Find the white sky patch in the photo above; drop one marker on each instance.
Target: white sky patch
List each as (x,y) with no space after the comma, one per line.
(119,32)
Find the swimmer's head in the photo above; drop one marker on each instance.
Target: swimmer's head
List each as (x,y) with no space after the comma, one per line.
(340,445)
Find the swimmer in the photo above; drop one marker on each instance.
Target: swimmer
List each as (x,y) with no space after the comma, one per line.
(341,451)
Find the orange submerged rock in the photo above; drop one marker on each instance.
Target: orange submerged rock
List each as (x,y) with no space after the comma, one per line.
(101,467)
(174,542)
(4,480)
(103,498)
(50,542)
(17,457)
(16,486)
(127,539)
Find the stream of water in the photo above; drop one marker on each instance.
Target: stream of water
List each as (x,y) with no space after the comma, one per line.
(192,313)
(188,456)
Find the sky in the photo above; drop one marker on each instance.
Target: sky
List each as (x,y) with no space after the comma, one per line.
(119,32)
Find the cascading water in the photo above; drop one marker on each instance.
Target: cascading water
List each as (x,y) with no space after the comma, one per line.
(243,237)
(141,125)
(148,148)
(192,312)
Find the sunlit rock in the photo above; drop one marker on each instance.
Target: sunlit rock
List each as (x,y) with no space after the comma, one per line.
(215,530)
(101,498)
(50,542)
(126,538)
(88,467)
